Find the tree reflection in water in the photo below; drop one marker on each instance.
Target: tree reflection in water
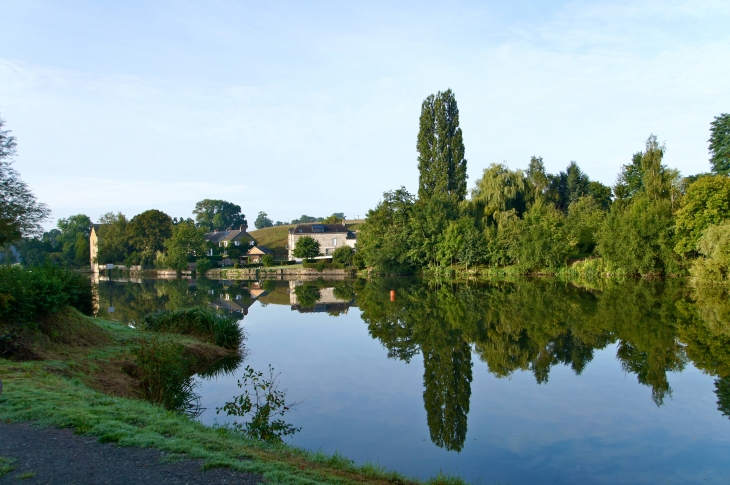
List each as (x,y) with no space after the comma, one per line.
(532,325)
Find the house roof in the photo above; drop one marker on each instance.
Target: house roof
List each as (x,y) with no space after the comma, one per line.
(259,250)
(317,228)
(228,235)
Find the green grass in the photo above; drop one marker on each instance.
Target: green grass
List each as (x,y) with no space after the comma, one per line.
(25,475)
(7,465)
(275,238)
(32,393)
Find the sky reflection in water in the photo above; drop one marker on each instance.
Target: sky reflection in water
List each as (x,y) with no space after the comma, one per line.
(526,382)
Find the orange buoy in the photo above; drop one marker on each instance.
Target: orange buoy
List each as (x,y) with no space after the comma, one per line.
(392,295)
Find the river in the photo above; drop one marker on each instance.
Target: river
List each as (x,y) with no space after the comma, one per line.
(524,381)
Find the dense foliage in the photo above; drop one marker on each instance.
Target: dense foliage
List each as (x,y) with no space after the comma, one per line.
(29,294)
(201,322)
(531,221)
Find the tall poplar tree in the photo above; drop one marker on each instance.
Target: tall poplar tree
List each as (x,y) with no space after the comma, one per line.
(441,162)
(720,144)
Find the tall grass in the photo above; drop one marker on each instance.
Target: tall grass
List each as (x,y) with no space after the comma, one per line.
(200,322)
(164,372)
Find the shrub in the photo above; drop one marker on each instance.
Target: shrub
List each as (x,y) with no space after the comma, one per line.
(200,322)
(268,260)
(343,255)
(203,265)
(164,373)
(26,295)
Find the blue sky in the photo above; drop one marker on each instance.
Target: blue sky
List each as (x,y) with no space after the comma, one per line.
(312,107)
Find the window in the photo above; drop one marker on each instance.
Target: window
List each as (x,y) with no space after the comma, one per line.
(334,241)
(237,243)
(225,243)
(251,243)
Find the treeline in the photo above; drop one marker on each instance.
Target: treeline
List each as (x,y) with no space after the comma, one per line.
(263,220)
(653,221)
(150,238)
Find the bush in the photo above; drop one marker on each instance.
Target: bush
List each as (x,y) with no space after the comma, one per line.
(164,373)
(203,265)
(200,322)
(343,255)
(26,295)
(268,260)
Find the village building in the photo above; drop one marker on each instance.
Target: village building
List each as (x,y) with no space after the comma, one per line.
(94,247)
(329,236)
(256,253)
(220,241)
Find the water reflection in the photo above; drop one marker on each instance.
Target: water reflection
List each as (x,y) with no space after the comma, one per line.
(507,326)
(535,325)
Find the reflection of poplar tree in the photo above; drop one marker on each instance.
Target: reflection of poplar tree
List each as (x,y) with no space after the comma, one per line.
(722,390)
(447,380)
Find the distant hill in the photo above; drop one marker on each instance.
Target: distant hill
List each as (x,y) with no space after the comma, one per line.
(276,238)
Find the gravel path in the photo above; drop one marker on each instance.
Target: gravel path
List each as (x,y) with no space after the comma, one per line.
(57,456)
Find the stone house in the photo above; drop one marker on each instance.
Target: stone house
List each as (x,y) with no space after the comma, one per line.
(329,236)
(231,241)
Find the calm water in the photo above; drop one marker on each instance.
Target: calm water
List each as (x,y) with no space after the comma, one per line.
(521,382)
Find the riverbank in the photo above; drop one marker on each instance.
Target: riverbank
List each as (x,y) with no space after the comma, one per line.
(81,384)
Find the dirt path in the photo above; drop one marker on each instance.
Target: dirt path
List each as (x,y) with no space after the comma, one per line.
(57,456)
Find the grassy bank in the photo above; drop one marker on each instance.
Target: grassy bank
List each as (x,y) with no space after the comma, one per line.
(81,379)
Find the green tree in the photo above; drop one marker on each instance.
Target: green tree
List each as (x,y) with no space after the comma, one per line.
(585,218)
(113,239)
(638,238)
(569,186)
(186,242)
(462,242)
(537,178)
(383,241)
(147,233)
(630,181)
(21,214)
(343,255)
(262,221)
(602,194)
(218,215)
(713,266)
(73,237)
(706,202)
(441,162)
(499,190)
(336,218)
(306,248)
(655,177)
(720,144)
(267,260)
(542,239)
